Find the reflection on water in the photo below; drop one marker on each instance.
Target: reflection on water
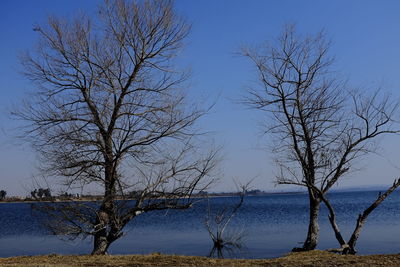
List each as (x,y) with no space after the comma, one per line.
(273,225)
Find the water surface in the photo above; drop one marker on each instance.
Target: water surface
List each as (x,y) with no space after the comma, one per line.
(272,225)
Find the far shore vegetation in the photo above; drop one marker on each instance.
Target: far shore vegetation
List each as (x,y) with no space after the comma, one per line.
(77,197)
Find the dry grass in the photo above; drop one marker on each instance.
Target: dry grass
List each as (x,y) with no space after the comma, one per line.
(313,258)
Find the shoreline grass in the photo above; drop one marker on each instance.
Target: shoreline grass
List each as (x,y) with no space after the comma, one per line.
(311,258)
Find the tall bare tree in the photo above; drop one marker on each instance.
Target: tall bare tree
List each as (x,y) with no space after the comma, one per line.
(110,112)
(319,127)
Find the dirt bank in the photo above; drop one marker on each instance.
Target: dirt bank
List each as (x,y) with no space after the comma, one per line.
(314,258)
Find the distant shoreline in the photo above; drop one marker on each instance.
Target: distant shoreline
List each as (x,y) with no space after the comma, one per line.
(99,198)
(217,194)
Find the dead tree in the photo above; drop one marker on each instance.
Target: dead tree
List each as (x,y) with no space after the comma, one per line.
(350,246)
(217,224)
(110,112)
(318,126)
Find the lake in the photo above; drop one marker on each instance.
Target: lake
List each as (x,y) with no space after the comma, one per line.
(272,226)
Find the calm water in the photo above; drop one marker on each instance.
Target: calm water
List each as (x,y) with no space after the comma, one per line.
(272,226)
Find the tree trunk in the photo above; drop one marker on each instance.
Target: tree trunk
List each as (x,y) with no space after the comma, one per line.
(101,243)
(107,208)
(101,240)
(313,227)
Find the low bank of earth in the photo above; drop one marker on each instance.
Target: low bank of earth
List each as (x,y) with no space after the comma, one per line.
(313,258)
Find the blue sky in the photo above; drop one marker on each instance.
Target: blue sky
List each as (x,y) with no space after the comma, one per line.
(365,40)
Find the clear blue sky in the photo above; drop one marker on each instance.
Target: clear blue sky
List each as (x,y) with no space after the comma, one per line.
(366,42)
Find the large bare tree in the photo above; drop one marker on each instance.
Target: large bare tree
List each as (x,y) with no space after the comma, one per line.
(110,112)
(318,126)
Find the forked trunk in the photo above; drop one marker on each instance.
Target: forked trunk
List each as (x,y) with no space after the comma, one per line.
(104,238)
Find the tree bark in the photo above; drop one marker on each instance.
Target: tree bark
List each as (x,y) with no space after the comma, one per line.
(107,209)
(101,243)
(104,238)
(313,227)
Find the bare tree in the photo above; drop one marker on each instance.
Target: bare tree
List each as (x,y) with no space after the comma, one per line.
(350,246)
(110,112)
(319,127)
(217,224)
